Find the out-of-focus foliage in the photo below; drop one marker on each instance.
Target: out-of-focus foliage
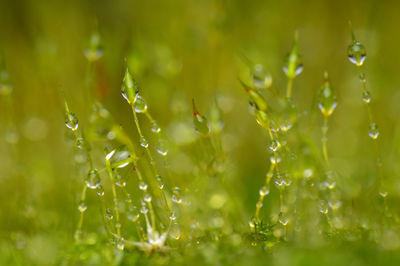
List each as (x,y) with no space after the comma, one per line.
(177,51)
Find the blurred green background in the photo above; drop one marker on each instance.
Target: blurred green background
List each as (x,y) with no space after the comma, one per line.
(179,50)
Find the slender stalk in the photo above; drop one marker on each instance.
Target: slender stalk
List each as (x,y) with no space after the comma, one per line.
(115,197)
(152,161)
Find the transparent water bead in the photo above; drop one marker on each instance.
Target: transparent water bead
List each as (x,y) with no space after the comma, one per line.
(330,184)
(283,219)
(274,145)
(93,179)
(142,186)
(133,214)
(176,196)
(356,53)
(323,208)
(80,143)
(280,182)
(293,65)
(140,104)
(147,198)
(253,223)
(161,147)
(129,87)
(335,204)
(175,231)
(172,217)
(82,206)
(383,194)
(94,52)
(100,191)
(200,122)
(109,214)
(144,210)
(160,182)
(155,127)
(362,77)
(373,131)
(120,180)
(326,98)
(71,121)
(275,159)
(366,97)
(121,244)
(264,191)
(143,142)
(261,80)
(120,157)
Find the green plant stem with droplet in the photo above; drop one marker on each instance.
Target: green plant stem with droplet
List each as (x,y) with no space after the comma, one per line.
(151,159)
(166,165)
(115,196)
(357,55)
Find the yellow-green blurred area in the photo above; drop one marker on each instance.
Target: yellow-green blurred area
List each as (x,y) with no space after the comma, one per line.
(178,50)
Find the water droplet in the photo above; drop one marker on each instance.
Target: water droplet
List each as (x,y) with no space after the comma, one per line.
(110,155)
(175,231)
(133,214)
(172,217)
(280,182)
(120,157)
(93,179)
(94,52)
(120,180)
(283,219)
(109,214)
(143,142)
(261,80)
(274,145)
(323,208)
(128,198)
(383,194)
(253,223)
(308,173)
(162,147)
(82,206)
(160,182)
(335,204)
(275,160)
(366,97)
(327,98)
(71,121)
(155,127)
(200,122)
(140,104)
(356,53)
(264,191)
(147,198)
(330,184)
(373,131)
(293,65)
(100,190)
(144,210)
(121,243)
(142,186)
(80,143)
(128,87)
(176,197)
(362,77)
